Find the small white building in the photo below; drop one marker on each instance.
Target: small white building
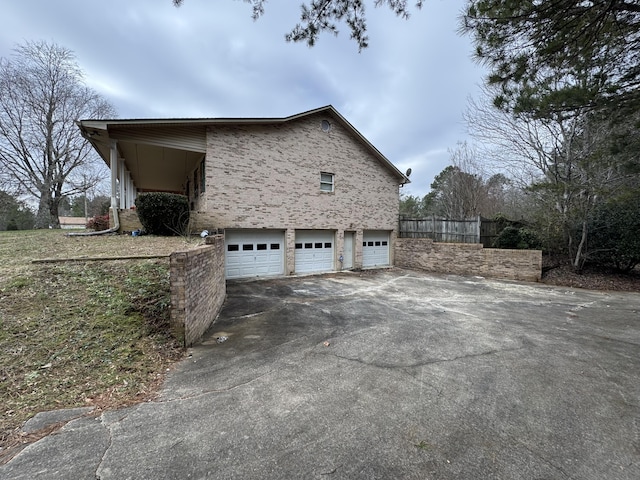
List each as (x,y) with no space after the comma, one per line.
(72,222)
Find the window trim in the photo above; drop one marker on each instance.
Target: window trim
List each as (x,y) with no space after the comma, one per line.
(331,183)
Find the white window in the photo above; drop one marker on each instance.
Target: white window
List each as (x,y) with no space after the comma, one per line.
(326,182)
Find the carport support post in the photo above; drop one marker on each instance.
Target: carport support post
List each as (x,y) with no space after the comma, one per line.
(122,182)
(113,158)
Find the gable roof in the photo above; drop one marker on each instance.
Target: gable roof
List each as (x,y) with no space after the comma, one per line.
(192,131)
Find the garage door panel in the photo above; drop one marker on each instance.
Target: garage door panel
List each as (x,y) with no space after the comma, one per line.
(375,249)
(314,251)
(254,254)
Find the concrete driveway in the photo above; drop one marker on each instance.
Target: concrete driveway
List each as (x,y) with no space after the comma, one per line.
(421,377)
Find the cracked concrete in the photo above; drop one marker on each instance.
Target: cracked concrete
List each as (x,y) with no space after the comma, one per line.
(425,377)
(72,452)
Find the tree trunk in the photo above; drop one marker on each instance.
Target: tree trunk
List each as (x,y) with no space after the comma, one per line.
(47,216)
(578,260)
(53,211)
(43,217)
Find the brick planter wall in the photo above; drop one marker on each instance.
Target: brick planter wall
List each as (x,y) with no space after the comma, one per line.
(129,220)
(198,289)
(468,259)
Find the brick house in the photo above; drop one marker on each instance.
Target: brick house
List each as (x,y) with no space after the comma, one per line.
(305,193)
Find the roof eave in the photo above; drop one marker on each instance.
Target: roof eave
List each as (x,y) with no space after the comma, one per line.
(95,128)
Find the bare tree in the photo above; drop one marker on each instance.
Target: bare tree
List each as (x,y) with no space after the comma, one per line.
(560,157)
(42,94)
(455,194)
(465,189)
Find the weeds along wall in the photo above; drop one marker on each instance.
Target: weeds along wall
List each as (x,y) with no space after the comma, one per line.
(468,259)
(198,289)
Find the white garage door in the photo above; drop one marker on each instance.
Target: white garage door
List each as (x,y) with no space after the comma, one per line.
(375,249)
(314,251)
(253,253)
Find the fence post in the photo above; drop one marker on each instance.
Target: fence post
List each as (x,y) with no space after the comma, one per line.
(434,228)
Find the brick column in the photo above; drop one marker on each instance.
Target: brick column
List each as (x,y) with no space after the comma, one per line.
(290,248)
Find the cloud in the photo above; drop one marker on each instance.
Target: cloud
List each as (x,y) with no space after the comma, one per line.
(405,93)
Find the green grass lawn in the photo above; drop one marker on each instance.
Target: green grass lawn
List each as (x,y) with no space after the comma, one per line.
(81,333)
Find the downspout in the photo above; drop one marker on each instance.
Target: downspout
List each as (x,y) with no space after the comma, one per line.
(113,159)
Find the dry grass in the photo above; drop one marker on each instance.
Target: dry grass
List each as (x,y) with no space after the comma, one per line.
(81,333)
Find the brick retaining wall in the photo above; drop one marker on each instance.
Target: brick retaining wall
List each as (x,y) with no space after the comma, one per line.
(198,289)
(468,259)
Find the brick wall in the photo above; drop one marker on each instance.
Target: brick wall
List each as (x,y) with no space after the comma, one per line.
(268,176)
(129,220)
(468,259)
(198,289)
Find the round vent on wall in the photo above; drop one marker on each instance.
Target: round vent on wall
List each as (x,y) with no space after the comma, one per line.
(326,126)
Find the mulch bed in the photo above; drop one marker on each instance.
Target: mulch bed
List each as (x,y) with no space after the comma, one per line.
(592,278)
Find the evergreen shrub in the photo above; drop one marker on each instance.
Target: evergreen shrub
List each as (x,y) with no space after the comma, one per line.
(163,213)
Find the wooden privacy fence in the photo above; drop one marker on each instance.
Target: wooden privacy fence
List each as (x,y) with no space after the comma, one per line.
(470,230)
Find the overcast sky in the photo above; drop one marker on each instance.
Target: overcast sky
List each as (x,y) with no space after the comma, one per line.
(406,93)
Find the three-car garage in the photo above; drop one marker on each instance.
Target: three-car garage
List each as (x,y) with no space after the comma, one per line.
(263,253)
